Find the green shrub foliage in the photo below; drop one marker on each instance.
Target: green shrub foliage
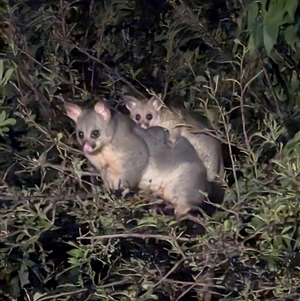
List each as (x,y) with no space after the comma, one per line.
(62,236)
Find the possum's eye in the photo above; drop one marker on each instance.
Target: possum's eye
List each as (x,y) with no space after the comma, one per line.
(149,116)
(95,134)
(80,135)
(137,117)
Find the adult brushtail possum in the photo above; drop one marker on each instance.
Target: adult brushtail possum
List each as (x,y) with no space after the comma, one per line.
(128,156)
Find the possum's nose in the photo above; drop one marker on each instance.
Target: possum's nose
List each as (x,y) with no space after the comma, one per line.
(87,147)
(144,125)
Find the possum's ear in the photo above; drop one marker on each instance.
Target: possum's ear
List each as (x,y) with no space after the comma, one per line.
(156,103)
(101,108)
(72,110)
(130,102)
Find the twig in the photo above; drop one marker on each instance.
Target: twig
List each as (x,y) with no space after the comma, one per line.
(136,235)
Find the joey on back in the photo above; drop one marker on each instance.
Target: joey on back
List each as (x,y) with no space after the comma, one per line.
(151,112)
(128,156)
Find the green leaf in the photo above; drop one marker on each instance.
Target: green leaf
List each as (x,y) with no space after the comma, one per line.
(291,6)
(263,5)
(15,286)
(107,220)
(148,221)
(280,12)
(160,38)
(272,264)
(252,14)
(200,79)
(298,241)
(7,76)
(23,275)
(77,253)
(294,84)
(1,69)
(37,296)
(59,136)
(270,33)
(280,208)
(251,43)
(73,261)
(255,38)
(257,223)
(3,130)
(9,121)
(291,36)
(287,229)
(2,117)
(227,225)
(290,146)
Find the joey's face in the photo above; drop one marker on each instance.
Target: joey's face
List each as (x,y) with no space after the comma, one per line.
(144,113)
(91,132)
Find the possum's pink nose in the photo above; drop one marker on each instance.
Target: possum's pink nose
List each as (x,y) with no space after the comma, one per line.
(87,148)
(144,126)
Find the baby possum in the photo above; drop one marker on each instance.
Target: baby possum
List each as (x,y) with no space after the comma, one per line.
(151,112)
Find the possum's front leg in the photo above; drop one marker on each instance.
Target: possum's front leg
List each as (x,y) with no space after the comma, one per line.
(121,182)
(181,210)
(114,182)
(130,177)
(110,179)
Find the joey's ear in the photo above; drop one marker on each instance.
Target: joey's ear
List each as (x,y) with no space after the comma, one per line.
(73,110)
(130,102)
(101,108)
(156,103)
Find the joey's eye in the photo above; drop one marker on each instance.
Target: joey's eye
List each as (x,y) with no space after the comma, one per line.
(95,134)
(80,135)
(149,116)
(137,117)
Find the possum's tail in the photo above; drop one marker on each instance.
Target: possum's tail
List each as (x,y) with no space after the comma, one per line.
(215,196)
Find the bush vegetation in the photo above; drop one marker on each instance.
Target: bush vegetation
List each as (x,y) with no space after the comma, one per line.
(62,236)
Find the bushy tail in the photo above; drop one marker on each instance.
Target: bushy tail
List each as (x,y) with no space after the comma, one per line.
(216,196)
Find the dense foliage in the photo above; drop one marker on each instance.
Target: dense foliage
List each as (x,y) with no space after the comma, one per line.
(62,236)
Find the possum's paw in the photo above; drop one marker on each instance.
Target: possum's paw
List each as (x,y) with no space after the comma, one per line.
(181,210)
